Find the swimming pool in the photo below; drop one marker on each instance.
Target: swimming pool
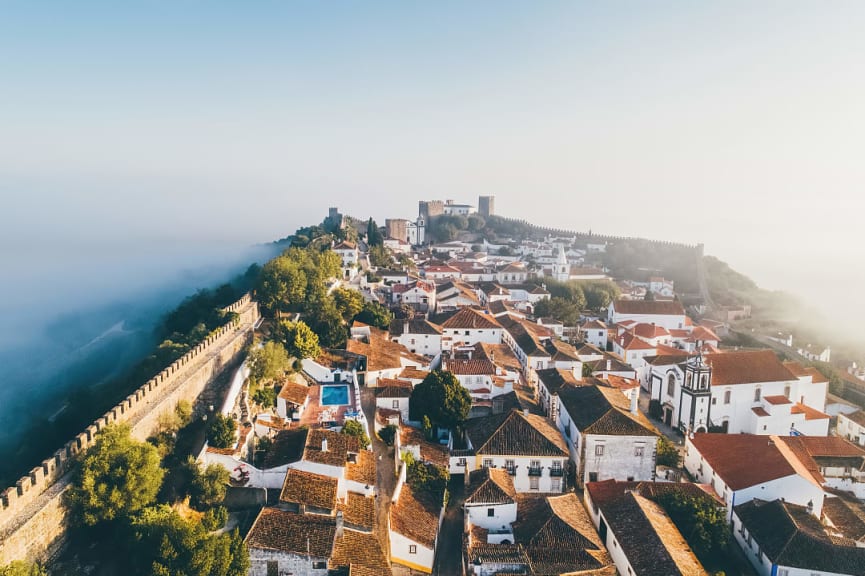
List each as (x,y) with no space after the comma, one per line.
(334,395)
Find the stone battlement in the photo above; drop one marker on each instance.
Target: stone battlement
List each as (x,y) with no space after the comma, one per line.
(184,379)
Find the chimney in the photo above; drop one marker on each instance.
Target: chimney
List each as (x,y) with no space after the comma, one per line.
(339,528)
(609,364)
(324,444)
(525,411)
(635,400)
(466,478)
(405,328)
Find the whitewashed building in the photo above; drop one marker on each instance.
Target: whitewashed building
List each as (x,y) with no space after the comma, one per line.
(852,427)
(739,392)
(607,436)
(741,467)
(527,446)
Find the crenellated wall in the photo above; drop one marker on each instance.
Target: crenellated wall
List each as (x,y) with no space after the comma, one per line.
(32,518)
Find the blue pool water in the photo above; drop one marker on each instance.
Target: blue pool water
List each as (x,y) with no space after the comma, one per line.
(334,395)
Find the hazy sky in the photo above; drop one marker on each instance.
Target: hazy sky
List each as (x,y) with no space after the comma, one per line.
(161,124)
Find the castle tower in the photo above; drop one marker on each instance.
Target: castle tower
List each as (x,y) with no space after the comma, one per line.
(486,206)
(695,401)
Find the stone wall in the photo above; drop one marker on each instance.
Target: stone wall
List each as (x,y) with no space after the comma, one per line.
(32,518)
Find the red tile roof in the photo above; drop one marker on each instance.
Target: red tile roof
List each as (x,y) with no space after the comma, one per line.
(777,400)
(747,367)
(743,460)
(470,319)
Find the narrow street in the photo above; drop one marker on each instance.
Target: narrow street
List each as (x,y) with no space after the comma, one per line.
(385,472)
(448,558)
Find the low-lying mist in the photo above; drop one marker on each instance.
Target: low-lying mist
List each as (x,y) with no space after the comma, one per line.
(73,319)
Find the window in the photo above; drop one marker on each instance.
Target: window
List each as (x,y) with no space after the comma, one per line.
(396,404)
(491,512)
(639,449)
(599,450)
(412,548)
(320,565)
(704,382)
(272,568)
(787,391)
(462,462)
(671,384)
(756,395)
(593,476)
(783,572)
(488,462)
(555,485)
(726,396)
(467,332)
(534,483)
(714,401)
(511,467)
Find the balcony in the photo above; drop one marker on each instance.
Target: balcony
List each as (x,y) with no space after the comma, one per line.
(536,471)
(556,471)
(512,470)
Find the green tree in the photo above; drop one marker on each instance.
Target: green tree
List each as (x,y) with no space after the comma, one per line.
(668,454)
(19,568)
(599,293)
(268,362)
(441,398)
(117,477)
(208,486)
(166,544)
(220,431)
(380,257)
(300,341)
(426,478)
(326,321)
(562,310)
(282,283)
(388,434)
(265,396)
(348,302)
(373,234)
(476,223)
(376,315)
(355,428)
(701,521)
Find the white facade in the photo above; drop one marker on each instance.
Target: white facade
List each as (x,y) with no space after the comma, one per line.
(532,474)
(409,553)
(605,457)
(850,429)
(426,344)
(793,488)
(391,403)
(470,337)
(742,408)
(498,517)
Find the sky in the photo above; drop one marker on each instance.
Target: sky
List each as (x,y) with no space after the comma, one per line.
(141,139)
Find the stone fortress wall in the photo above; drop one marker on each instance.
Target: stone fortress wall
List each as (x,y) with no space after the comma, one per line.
(32,515)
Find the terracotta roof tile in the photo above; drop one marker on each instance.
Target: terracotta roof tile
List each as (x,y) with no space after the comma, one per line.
(338,447)
(294,392)
(415,516)
(363,470)
(789,536)
(490,486)
(603,410)
(747,367)
(649,539)
(309,489)
(732,457)
(292,533)
(359,510)
(655,307)
(359,549)
(515,434)
(471,319)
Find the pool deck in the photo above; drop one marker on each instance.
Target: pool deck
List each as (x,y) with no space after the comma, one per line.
(314,410)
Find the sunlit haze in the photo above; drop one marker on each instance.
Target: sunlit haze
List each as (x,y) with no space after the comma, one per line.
(153,137)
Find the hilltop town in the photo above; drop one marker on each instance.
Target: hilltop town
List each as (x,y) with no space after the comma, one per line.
(462,393)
